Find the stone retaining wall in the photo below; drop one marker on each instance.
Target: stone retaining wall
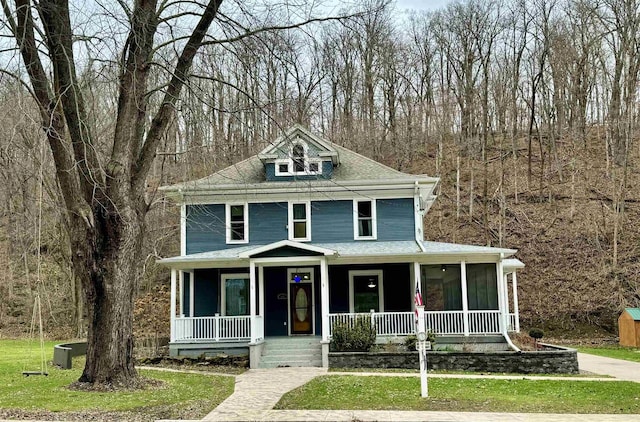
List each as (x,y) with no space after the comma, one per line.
(558,360)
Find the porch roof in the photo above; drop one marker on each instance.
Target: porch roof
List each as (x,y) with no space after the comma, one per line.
(344,251)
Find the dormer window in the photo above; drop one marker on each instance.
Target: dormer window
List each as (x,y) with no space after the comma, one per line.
(298,163)
(299,157)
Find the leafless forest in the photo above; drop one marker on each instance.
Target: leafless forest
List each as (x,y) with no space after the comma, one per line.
(526,109)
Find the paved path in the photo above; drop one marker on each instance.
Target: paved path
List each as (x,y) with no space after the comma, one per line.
(618,368)
(257,391)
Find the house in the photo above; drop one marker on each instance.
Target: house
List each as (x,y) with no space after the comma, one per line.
(277,248)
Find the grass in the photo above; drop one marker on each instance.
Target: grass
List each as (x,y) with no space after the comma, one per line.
(50,394)
(612,351)
(333,392)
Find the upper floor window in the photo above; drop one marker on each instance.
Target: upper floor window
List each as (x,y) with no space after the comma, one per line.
(237,223)
(364,219)
(298,162)
(300,221)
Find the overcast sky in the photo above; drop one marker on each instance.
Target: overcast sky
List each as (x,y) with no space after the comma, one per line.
(420,4)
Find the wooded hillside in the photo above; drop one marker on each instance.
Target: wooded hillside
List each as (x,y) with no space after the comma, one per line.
(526,109)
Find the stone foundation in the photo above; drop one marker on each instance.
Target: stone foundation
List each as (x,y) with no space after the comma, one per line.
(557,360)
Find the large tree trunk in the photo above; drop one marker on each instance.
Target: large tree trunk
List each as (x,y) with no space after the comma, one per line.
(113,256)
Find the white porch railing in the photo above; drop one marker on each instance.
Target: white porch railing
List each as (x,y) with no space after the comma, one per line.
(440,322)
(513,326)
(215,328)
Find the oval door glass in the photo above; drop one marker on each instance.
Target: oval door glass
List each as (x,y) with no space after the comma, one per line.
(301,305)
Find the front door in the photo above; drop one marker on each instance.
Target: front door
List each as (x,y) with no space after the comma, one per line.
(301,302)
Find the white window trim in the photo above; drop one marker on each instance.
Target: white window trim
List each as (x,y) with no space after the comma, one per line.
(374,220)
(223,289)
(290,272)
(228,223)
(307,205)
(289,162)
(378,273)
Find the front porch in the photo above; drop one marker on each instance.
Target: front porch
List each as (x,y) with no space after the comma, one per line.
(286,290)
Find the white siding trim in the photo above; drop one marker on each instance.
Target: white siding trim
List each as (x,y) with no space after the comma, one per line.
(183,229)
(223,290)
(374,220)
(227,213)
(307,205)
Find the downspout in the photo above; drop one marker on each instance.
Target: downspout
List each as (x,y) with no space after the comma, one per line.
(505,333)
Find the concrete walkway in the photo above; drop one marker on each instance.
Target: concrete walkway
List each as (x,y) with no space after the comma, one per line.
(258,390)
(618,368)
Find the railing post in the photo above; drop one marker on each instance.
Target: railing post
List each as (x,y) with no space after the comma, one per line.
(216,326)
(252,296)
(465,298)
(514,280)
(373,323)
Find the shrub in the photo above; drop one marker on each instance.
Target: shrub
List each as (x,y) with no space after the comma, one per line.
(357,335)
(536,334)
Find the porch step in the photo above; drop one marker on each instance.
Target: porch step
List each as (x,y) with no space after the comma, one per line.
(291,351)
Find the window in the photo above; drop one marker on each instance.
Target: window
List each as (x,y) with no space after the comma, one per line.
(283,168)
(482,288)
(237,223)
(235,294)
(298,163)
(441,287)
(366,291)
(364,220)
(300,221)
(298,157)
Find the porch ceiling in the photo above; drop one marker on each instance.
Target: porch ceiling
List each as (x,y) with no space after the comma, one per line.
(350,252)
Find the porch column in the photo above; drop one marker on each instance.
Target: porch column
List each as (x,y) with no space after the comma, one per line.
(172,306)
(252,299)
(324,297)
(465,298)
(181,290)
(501,293)
(192,295)
(515,301)
(261,291)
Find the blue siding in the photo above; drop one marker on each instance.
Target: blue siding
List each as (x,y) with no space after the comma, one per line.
(270,173)
(332,221)
(267,223)
(205,228)
(395,219)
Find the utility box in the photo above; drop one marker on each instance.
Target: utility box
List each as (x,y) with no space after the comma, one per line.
(629,327)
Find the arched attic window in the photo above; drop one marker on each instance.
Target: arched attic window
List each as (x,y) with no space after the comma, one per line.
(298,162)
(298,157)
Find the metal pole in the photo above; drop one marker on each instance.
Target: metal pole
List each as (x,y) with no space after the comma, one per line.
(422,352)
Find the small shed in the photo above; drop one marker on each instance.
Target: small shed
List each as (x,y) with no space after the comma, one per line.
(629,327)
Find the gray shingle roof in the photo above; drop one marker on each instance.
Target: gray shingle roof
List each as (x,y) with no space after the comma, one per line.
(351,249)
(250,172)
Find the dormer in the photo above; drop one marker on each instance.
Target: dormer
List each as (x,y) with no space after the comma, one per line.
(299,155)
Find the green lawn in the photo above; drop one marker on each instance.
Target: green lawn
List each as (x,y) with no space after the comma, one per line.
(50,394)
(612,351)
(487,395)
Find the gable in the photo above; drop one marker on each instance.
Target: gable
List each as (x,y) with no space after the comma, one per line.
(286,251)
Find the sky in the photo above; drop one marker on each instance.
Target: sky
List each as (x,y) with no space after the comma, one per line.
(421,4)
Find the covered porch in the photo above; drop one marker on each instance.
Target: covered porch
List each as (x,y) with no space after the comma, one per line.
(293,289)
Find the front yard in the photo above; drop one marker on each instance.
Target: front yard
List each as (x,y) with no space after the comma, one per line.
(471,395)
(47,397)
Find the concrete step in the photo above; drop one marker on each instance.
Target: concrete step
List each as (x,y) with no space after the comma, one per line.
(291,351)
